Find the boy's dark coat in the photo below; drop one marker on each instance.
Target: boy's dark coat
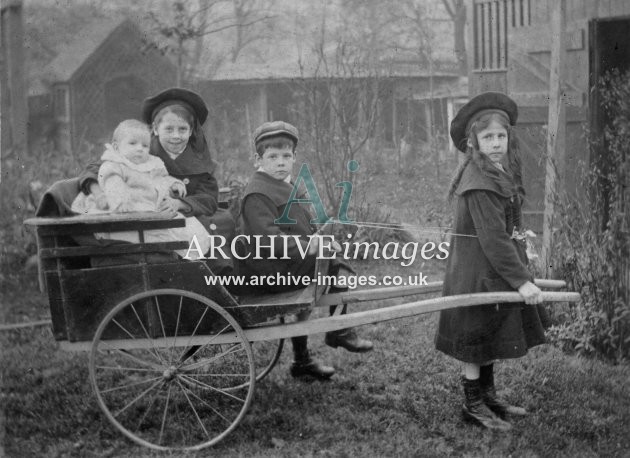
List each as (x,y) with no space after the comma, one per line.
(484,258)
(264,201)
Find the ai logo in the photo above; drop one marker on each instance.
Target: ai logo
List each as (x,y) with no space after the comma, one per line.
(322,218)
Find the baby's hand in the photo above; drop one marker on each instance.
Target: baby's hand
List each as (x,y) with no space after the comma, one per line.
(95,189)
(101,201)
(178,190)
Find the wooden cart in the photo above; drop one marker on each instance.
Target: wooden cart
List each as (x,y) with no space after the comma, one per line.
(174,361)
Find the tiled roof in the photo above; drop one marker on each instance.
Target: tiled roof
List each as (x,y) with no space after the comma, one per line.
(86,42)
(287,68)
(288,58)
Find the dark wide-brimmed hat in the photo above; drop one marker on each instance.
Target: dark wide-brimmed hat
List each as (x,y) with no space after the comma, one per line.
(487,102)
(273,128)
(175,96)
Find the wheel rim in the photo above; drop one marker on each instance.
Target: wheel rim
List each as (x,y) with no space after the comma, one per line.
(162,391)
(266,355)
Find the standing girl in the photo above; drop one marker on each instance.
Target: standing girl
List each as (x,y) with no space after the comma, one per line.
(488,253)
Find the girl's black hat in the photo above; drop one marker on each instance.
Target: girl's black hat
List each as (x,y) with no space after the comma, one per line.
(478,105)
(175,96)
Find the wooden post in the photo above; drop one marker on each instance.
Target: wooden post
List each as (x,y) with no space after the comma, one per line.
(556,127)
(14,102)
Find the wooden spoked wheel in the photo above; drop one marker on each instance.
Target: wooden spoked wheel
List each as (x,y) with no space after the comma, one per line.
(172,370)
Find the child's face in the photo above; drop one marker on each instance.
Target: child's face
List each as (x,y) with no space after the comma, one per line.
(173,131)
(134,145)
(277,162)
(493,142)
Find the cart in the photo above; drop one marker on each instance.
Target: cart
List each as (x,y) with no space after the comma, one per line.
(173,358)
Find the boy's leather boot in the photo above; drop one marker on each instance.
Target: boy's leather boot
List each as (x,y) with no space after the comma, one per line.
(489,394)
(476,411)
(305,366)
(347,338)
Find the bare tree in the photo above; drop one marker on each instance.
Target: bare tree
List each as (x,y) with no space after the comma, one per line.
(418,37)
(337,105)
(246,14)
(183,25)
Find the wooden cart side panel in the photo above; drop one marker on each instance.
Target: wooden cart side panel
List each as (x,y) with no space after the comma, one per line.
(191,276)
(85,296)
(89,294)
(50,278)
(56,304)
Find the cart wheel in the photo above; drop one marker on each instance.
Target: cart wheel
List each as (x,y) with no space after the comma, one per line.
(163,366)
(266,355)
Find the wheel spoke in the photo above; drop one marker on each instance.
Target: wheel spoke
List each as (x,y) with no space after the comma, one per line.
(137,398)
(122,387)
(168,397)
(201,363)
(203,402)
(146,333)
(205,385)
(193,409)
(146,412)
(128,355)
(132,336)
(185,356)
(218,375)
(157,308)
(179,312)
(194,332)
(170,351)
(131,369)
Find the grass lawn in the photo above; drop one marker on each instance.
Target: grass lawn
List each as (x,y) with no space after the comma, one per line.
(402,399)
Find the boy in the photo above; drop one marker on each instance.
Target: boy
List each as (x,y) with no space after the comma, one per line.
(264,201)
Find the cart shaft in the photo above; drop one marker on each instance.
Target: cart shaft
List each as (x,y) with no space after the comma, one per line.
(332,323)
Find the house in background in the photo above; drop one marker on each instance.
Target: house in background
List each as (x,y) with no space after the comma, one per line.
(96,80)
(414,105)
(509,49)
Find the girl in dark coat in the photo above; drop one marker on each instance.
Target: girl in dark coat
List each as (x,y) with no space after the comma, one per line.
(488,253)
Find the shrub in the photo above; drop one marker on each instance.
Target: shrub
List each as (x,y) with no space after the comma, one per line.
(592,243)
(25,177)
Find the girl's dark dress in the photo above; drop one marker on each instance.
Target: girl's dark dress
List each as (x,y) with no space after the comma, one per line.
(484,258)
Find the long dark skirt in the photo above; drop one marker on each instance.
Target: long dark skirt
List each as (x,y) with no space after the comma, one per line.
(487,332)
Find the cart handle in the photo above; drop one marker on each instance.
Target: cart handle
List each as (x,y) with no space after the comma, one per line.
(337,322)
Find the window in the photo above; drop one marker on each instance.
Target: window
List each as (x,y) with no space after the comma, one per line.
(61,102)
(491,20)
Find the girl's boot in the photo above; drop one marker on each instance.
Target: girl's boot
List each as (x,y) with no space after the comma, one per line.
(476,411)
(489,394)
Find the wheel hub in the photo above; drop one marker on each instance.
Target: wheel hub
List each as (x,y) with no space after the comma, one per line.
(169,373)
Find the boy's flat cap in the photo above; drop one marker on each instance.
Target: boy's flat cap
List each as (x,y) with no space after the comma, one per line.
(173,96)
(273,128)
(486,102)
